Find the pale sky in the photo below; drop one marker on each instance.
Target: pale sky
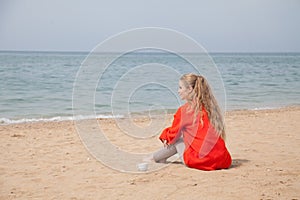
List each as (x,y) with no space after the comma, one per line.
(219,26)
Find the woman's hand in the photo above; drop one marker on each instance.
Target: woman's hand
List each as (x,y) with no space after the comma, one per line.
(165,142)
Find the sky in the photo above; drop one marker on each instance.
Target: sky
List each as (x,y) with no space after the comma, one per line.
(219,26)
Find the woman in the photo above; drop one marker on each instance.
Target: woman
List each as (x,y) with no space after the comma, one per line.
(197,133)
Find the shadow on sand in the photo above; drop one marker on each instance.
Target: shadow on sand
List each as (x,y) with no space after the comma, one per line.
(236,163)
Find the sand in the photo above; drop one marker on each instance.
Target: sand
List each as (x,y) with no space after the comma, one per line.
(49,161)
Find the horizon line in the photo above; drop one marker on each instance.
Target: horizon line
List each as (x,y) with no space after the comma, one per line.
(79,51)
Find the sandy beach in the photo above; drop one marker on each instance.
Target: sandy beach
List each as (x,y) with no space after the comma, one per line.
(49,161)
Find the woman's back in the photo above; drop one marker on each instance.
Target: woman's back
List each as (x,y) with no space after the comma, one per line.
(205,149)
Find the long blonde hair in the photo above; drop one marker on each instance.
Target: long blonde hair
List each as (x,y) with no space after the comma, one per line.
(202,96)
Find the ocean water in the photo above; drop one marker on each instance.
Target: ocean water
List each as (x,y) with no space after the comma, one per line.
(41,86)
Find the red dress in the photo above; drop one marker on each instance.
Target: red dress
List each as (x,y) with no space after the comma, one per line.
(204,149)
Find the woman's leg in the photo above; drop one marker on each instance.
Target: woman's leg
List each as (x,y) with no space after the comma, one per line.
(163,154)
(180,147)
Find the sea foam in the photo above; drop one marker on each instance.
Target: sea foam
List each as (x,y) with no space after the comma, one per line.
(6,121)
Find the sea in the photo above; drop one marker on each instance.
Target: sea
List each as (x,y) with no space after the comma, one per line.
(58,86)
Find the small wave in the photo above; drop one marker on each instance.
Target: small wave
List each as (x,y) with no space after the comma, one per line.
(265,108)
(6,121)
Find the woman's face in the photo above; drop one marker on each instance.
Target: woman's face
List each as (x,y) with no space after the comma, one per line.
(184,91)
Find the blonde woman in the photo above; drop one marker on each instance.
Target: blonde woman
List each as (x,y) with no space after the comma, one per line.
(197,133)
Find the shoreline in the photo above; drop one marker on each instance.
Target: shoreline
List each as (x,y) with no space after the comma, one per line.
(7,121)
